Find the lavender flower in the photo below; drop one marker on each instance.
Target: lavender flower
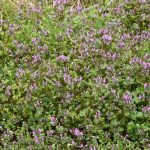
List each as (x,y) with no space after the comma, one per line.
(36,139)
(79,8)
(53,120)
(39,131)
(81,145)
(67,79)
(73,142)
(20,72)
(59,2)
(92,148)
(127,97)
(36,57)
(8,90)
(103,31)
(146,109)
(35,41)
(98,114)
(69,96)
(33,87)
(146,85)
(142,1)
(62,58)
(76,132)
(107,39)
(50,133)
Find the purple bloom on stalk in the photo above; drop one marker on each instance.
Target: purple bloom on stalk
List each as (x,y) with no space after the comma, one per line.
(35,137)
(73,142)
(33,87)
(107,39)
(127,98)
(69,96)
(76,132)
(127,1)
(20,72)
(142,1)
(67,79)
(122,45)
(8,90)
(44,32)
(118,9)
(141,97)
(39,131)
(146,109)
(146,85)
(98,114)
(79,8)
(36,140)
(36,57)
(62,58)
(81,145)
(58,2)
(50,133)
(103,31)
(92,148)
(53,120)
(104,15)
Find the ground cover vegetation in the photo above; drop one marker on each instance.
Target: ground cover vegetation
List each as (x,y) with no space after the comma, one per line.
(75,75)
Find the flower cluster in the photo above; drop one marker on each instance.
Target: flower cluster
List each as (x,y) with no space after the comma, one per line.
(75,75)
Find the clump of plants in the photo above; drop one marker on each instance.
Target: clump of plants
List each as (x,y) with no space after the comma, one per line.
(75,75)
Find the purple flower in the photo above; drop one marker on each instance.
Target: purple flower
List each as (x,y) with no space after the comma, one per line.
(44,32)
(53,120)
(73,142)
(98,114)
(146,109)
(127,97)
(76,132)
(58,2)
(36,57)
(103,31)
(141,97)
(122,45)
(62,58)
(118,9)
(81,145)
(92,148)
(146,85)
(50,133)
(142,1)
(107,39)
(78,79)
(79,8)
(33,87)
(35,137)
(67,79)
(20,72)
(39,131)
(69,96)
(36,140)
(8,90)
(34,41)
(127,1)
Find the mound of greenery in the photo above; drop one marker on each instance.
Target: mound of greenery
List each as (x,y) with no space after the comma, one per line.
(75,75)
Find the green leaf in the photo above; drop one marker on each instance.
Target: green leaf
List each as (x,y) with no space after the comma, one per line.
(140,114)
(83,112)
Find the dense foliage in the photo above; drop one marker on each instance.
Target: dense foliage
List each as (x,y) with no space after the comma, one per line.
(75,75)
